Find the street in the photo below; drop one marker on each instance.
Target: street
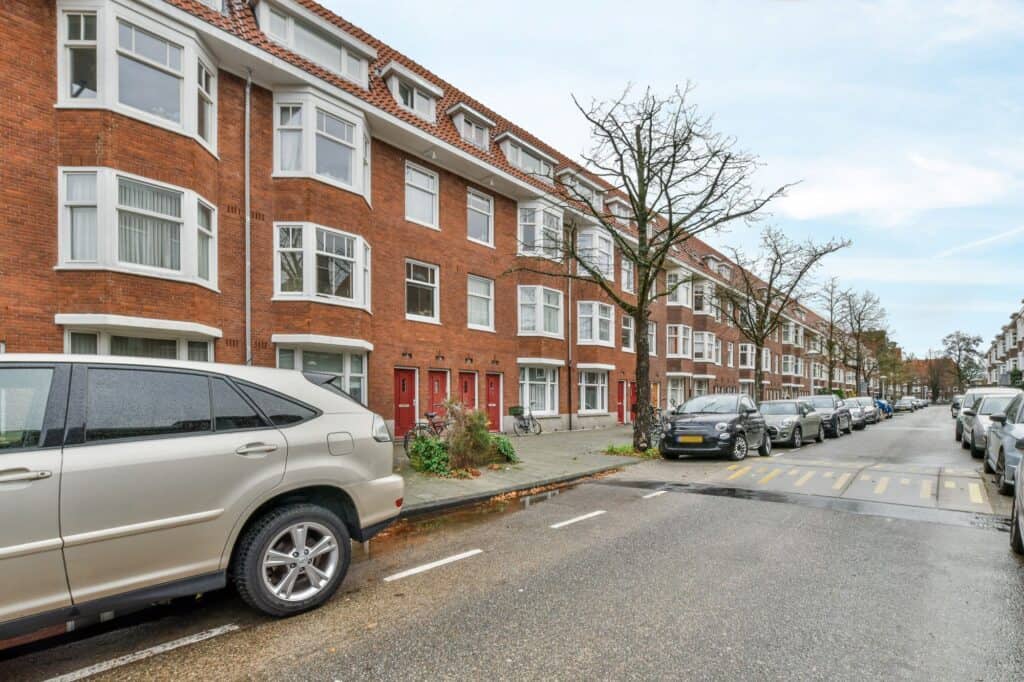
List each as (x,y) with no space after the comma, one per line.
(881,555)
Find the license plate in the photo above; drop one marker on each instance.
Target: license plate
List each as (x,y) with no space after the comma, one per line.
(689,439)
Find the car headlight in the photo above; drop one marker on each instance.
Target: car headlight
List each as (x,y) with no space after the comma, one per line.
(380,430)
(789,421)
(722,426)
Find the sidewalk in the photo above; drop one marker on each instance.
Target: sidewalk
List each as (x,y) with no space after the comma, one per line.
(546,459)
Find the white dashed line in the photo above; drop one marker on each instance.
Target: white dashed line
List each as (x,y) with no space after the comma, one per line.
(563,524)
(432,565)
(654,494)
(143,654)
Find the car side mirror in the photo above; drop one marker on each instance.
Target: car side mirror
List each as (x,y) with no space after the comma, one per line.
(969,412)
(841,403)
(750,410)
(998,418)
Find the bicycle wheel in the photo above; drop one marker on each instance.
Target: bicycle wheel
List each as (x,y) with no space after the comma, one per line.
(520,427)
(535,426)
(414,433)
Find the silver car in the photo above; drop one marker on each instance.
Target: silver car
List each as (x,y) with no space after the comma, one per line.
(965,418)
(1005,442)
(792,421)
(980,419)
(872,415)
(125,481)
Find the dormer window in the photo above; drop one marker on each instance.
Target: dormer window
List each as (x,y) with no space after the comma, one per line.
(526,158)
(579,189)
(473,127)
(412,91)
(619,209)
(724,271)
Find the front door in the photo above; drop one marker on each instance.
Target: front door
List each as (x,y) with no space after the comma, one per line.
(405,401)
(621,409)
(31,562)
(467,389)
(437,388)
(494,401)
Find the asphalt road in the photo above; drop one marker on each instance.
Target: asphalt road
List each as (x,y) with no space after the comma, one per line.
(670,573)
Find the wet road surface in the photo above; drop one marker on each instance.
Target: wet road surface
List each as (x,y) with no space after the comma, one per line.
(633,577)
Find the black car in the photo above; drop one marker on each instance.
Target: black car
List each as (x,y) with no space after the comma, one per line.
(835,412)
(725,424)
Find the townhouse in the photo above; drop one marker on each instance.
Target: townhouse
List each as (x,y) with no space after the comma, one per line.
(1006,353)
(265,182)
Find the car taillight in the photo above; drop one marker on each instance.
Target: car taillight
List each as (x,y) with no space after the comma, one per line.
(399,501)
(380,430)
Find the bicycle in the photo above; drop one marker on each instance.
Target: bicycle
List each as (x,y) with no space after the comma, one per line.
(435,426)
(525,422)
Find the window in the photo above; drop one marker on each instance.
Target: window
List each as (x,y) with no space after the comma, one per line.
(132,403)
(422,300)
(81,55)
(595,249)
(628,342)
(479,218)
(540,311)
(343,56)
(141,345)
(83,343)
(23,396)
(149,72)
(80,205)
(335,147)
(204,239)
(788,364)
(595,323)
(341,264)
(678,284)
(474,133)
(281,411)
(766,360)
(652,338)
(205,121)
(349,367)
(480,303)
(230,410)
(538,390)
(149,225)
(528,162)
(678,340)
(747,351)
(539,239)
(416,100)
(620,210)
(628,272)
(704,347)
(718,351)
(420,195)
(593,391)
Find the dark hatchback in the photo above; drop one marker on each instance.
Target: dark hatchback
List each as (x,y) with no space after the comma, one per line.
(726,424)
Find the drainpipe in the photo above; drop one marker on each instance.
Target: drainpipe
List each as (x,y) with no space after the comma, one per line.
(568,348)
(248,222)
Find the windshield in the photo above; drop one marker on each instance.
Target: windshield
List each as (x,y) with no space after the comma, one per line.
(709,404)
(778,408)
(822,401)
(994,404)
(866,402)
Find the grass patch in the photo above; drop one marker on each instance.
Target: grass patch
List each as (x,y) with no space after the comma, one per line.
(628,451)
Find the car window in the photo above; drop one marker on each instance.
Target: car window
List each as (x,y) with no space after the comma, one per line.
(137,403)
(231,411)
(823,401)
(23,395)
(1012,409)
(778,408)
(278,409)
(995,403)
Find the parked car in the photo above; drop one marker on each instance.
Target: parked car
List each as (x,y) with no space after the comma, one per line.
(884,408)
(954,407)
(1017,520)
(979,415)
(834,413)
(790,421)
(1005,441)
(127,481)
(872,415)
(970,400)
(726,424)
(857,417)
(904,405)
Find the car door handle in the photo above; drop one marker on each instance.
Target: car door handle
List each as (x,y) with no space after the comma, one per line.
(17,476)
(256,449)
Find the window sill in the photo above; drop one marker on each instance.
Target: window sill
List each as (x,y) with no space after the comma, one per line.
(526,254)
(489,245)
(593,413)
(341,303)
(422,224)
(676,304)
(425,320)
(489,330)
(629,350)
(560,337)
(142,272)
(599,344)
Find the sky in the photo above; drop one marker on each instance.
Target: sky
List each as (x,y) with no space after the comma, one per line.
(900,120)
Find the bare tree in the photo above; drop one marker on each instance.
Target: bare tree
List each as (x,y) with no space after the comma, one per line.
(765,288)
(939,370)
(963,351)
(679,179)
(830,328)
(863,314)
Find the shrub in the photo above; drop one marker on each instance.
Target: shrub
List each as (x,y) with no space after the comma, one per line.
(469,438)
(628,451)
(504,448)
(429,454)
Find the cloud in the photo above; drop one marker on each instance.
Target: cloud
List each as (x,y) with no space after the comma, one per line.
(984,241)
(913,270)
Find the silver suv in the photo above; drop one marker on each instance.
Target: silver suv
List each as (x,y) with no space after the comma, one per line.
(125,481)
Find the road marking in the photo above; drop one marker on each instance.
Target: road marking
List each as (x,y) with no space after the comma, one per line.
(975,492)
(563,524)
(733,467)
(793,472)
(841,481)
(904,481)
(143,654)
(926,490)
(950,484)
(883,483)
(432,564)
(773,474)
(803,479)
(654,494)
(827,474)
(738,473)
(865,477)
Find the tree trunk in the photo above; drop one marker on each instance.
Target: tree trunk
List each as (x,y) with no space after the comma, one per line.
(644,412)
(758,373)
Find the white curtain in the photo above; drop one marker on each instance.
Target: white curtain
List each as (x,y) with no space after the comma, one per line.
(144,239)
(83,233)
(291,149)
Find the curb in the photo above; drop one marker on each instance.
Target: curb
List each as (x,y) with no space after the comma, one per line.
(449,503)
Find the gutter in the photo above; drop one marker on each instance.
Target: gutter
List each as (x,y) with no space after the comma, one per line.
(248,220)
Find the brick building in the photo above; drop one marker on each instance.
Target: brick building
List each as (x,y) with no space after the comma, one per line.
(263,181)
(1006,353)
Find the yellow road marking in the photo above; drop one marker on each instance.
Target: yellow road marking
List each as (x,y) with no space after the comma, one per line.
(773,474)
(738,473)
(883,483)
(803,479)
(926,489)
(733,467)
(793,472)
(904,481)
(865,477)
(950,484)
(975,492)
(841,481)
(827,474)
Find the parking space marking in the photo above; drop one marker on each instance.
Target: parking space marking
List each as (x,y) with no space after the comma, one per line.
(827,474)
(654,494)
(883,483)
(433,565)
(563,524)
(733,467)
(975,492)
(838,485)
(803,479)
(904,481)
(926,489)
(770,475)
(950,484)
(737,473)
(865,477)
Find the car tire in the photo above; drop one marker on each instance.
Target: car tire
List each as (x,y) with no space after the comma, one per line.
(988,467)
(1016,540)
(849,426)
(963,443)
(959,432)
(821,433)
(797,439)
(739,447)
(669,455)
(976,452)
(765,449)
(250,573)
(1005,487)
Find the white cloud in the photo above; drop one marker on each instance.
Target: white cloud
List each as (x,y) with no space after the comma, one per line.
(920,271)
(999,238)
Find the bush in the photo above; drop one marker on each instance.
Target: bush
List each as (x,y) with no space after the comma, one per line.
(504,448)
(628,451)
(429,454)
(466,446)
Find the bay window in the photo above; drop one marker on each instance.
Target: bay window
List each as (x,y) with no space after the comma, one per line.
(205,121)
(149,72)
(704,347)
(595,249)
(321,264)
(480,303)
(538,390)
(593,391)
(80,45)
(680,290)
(350,367)
(540,311)
(628,341)
(595,323)
(149,220)
(422,292)
(335,147)
(678,340)
(747,352)
(540,231)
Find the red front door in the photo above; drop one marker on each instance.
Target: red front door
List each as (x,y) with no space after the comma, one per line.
(621,410)
(405,401)
(467,389)
(437,391)
(494,401)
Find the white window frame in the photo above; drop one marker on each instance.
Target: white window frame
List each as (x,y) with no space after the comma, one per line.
(627,273)
(707,344)
(480,196)
(631,347)
(436,192)
(103,337)
(544,245)
(788,365)
(107,80)
(347,374)
(587,379)
(718,351)
(107,229)
(310,101)
(679,341)
(748,350)
(601,246)
(539,306)
(683,293)
(551,389)
(652,337)
(730,356)
(598,312)
(361,269)
(515,153)
(766,359)
(436,319)
(490,303)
